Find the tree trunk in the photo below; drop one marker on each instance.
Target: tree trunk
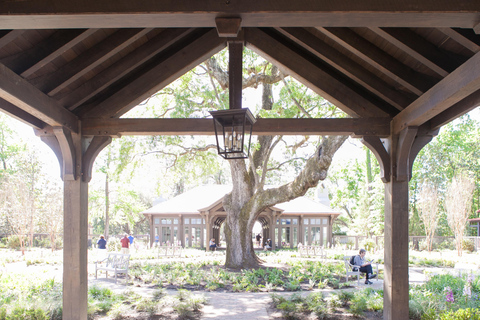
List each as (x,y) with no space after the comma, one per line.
(247,200)
(240,219)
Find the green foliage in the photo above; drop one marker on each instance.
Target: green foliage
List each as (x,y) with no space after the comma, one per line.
(461,314)
(468,245)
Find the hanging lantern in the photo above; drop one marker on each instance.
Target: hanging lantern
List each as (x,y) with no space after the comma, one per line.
(233,131)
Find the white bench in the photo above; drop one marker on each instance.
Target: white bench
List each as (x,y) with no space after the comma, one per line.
(309,250)
(169,251)
(353,270)
(115,262)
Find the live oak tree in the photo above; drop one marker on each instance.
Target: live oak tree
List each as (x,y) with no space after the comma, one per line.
(191,96)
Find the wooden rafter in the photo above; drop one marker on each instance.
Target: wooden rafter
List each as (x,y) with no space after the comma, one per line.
(23,95)
(409,43)
(413,81)
(122,67)
(55,46)
(21,115)
(329,86)
(460,36)
(349,126)
(455,87)
(254,13)
(158,76)
(353,70)
(55,82)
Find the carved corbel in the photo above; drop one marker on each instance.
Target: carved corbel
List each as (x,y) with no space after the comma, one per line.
(65,141)
(424,136)
(404,147)
(410,141)
(96,145)
(375,144)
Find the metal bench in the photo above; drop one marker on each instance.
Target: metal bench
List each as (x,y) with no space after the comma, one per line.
(115,262)
(309,250)
(353,270)
(169,251)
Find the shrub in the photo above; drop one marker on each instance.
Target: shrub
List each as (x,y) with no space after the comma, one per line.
(461,314)
(368,244)
(13,242)
(468,245)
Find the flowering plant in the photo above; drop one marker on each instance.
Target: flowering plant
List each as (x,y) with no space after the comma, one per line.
(449,292)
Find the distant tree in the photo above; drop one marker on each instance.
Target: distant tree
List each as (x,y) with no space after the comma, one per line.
(356,188)
(455,149)
(51,211)
(16,206)
(428,211)
(458,203)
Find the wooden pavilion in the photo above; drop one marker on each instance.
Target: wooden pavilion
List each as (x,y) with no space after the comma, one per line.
(193,217)
(400,69)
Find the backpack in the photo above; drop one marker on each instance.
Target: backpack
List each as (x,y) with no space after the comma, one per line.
(352,260)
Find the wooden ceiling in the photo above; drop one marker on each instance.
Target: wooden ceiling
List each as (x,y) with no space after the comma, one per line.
(388,64)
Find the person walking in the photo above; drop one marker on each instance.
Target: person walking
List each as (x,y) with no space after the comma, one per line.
(131,239)
(125,244)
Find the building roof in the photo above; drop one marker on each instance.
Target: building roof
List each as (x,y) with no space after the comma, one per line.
(197,199)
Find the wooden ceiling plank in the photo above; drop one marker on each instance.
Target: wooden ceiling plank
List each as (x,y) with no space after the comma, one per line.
(23,95)
(374,56)
(458,109)
(347,126)
(25,59)
(10,36)
(254,13)
(56,46)
(85,62)
(405,44)
(159,76)
(311,75)
(21,115)
(460,37)
(458,85)
(122,67)
(347,66)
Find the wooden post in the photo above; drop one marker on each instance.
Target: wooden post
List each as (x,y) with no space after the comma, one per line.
(76,155)
(396,157)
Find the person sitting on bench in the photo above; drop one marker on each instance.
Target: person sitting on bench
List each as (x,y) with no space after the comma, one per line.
(365,266)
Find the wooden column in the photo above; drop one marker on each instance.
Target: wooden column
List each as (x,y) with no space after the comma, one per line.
(76,155)
(396,156)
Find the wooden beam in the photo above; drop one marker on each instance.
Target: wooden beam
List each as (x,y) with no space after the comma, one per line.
(416,82)
(55,46)
(21,115)
(348,126)
(10,36)
(418,48)
(464,37)
(20,93)
(122,67)
(89,59)
(333,88)
(159,76)
(455,87)
(254,13)
(458,109)
(308,39)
